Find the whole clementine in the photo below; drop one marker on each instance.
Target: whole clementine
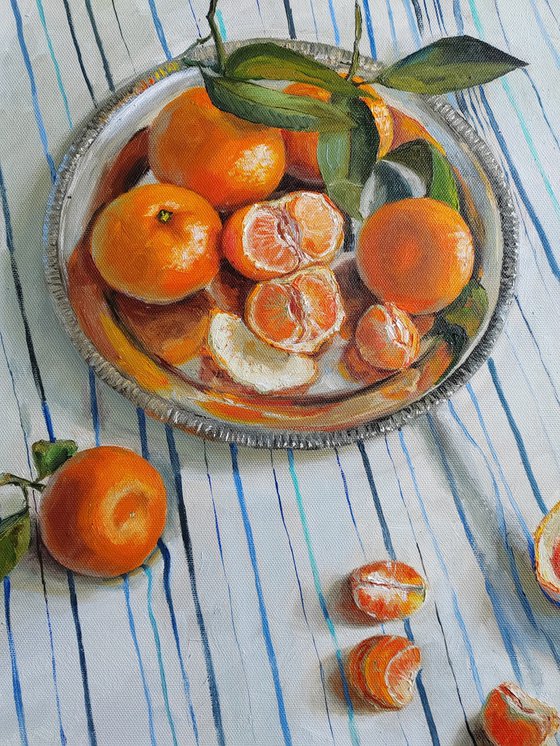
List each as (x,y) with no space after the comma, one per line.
(301,147)
(417,253)
(227,160)
(157,243)
(103,511)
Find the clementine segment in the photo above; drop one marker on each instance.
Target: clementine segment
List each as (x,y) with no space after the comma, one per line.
(547,554)
(417,253)
(227,160)
(511,717)
(157,243)
(298,313)
(301,147)
(388,590)
(387,338)
(271,239)
(103,511)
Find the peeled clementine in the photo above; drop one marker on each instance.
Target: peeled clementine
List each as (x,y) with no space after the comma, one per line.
(417,253)
(511,717)
(227,160)
(103,511)
(157,243)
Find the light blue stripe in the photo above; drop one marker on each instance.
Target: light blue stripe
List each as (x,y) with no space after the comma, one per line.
(221,24)
(55,62)
(16,685)
(322,602)
(260,597)
(157,642)
(159,29)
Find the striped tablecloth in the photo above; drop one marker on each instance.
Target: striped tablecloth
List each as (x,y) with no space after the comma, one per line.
(236,634)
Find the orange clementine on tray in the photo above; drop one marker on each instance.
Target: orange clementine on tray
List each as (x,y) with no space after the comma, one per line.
(301,147)
(157,242)
(271,239)
(417,253)
(103,511)
(227,160)
(387,338)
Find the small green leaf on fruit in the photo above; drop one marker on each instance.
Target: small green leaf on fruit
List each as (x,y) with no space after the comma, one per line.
(469,310)
(49,456)
(15,537)
(262,105)
(449,64)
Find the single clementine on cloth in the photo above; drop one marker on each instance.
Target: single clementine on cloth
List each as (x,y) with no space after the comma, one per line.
(388,590)
(297,313)
(103,511)
(157,243)
(271,239)
(511,717)
(383,670)
(227,160)
(417,253)
(301,147)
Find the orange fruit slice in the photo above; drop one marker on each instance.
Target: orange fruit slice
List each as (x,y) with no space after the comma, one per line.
(301,147)
(271,239)
(383,670)
(417,253)
(249,361)
(387,338)
(511,717)
(298,313)
(547,554)
(388,590)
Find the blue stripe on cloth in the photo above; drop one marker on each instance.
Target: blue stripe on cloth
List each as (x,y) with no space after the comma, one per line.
(16,685)
(322,601)
(289,19)
(348,502)
(121,34)
(187,543)
(456,608)
(157,642)
(33,87)
(369,29)
(518,437)
(99,43)
(55,63)
(132,627)
(72,29)
(94,406)
(159,29)
(301,599)
(390,549)
(260,597)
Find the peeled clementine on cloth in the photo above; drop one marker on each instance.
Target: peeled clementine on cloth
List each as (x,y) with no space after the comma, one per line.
(157,243)
(417,253)
(103,511)
(388,590)
(511,717)
(227,160)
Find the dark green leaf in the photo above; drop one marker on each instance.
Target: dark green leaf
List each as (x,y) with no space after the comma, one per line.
(15,536)
(269,61)
(449,64)
(469,310)
(432,167)
(262,105)
(389,182)
(48,456)
(346,159)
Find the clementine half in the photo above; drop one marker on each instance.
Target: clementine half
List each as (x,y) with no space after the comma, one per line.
(103,511)
(157,243)
(227,160)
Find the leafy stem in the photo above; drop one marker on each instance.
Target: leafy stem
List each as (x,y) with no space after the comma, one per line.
(216,35)
(7,478)
(357,37)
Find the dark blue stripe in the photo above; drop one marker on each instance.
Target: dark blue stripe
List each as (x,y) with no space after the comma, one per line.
(262,608)
(418,14)
(100,47)
(94,406)
(78,51)
(187,542)
(518,437)
(458,16)
(348,502)
(134,636)
(369,29)
(301,599)
(82,656)
(539,352)
(141,415)
(33,86)
(491,591)
(121,34)
(16,685)
(159,29)
(290,19)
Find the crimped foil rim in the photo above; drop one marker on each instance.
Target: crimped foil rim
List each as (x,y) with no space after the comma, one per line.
(209,427)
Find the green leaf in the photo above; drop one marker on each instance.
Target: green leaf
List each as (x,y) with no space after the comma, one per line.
(262,105)
(48,456)
(346,159)
(449,64)
(432,167)
(469,310)
(389,182)
(15,537)
(269,61)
